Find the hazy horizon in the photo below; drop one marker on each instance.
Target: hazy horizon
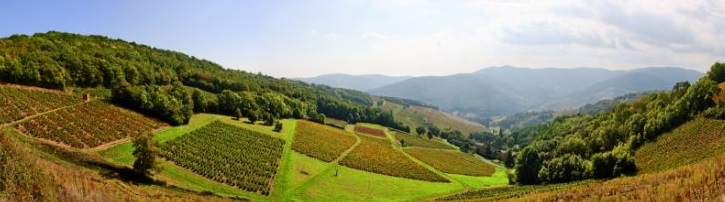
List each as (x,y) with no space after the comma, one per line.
(397,37)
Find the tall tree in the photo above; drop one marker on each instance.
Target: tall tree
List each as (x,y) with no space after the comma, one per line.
(145,151)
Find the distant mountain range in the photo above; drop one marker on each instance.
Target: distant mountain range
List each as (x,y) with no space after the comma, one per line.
(506,90)
(355,82)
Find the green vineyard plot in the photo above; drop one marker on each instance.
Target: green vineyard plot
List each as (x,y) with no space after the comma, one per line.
(235,156)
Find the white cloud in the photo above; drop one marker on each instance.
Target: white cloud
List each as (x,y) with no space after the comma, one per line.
(445,37)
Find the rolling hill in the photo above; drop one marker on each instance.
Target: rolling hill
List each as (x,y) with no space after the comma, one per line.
(506,90)
(217,134)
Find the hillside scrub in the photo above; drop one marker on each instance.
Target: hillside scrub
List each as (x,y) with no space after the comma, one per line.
(562,150)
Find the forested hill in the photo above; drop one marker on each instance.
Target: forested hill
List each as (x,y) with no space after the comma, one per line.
(171,85)
(601,145)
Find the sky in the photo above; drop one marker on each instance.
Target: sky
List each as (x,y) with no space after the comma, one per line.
(299,38)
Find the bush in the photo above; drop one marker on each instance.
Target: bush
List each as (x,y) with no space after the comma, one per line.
(613,164)
(564,169)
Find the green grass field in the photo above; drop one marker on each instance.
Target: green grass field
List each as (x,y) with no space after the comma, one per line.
(355,185)
(691,142)
(304,168)
(497,179)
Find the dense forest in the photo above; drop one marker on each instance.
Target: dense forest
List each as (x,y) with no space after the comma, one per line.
(600,145)
(170,85)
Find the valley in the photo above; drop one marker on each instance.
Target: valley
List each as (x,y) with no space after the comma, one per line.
(112,120)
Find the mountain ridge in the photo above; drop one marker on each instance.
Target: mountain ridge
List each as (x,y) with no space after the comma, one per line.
(508,89)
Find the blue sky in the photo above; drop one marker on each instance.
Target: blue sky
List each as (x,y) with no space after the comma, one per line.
(397,37)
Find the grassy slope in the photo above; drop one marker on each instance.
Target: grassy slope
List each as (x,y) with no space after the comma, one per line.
(304,164)
(356,185)
(497,179)
(417,116)
(691,142)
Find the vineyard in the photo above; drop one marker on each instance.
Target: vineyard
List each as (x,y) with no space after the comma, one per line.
(15,103)
(415,141)
(451,161)
(228,154)
(321,142)
(88,125)
(369,131)
(693,141)
(378,156)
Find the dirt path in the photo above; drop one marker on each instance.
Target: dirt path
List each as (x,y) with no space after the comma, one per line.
(109,144)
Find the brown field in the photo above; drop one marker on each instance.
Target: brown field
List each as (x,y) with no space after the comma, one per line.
(369,131)
(322,142)
(452,161)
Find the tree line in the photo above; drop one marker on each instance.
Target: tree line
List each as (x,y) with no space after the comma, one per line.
(171,85)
